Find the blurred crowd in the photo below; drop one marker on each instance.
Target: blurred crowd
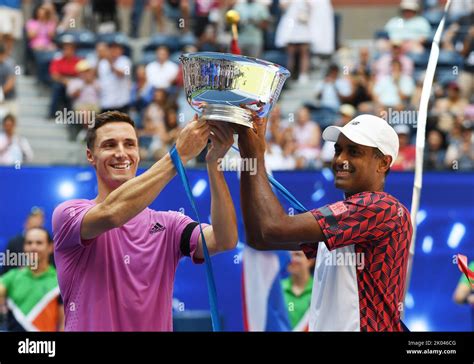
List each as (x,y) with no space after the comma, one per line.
(84,53)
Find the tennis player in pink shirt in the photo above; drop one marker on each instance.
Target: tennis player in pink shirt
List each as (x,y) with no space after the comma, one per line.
(116,258)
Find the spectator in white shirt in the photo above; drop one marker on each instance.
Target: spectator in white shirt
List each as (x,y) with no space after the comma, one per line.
(115,79)
(162,73)
(84,92)
(333,90)
(14,149)
(394,90)
(410,28)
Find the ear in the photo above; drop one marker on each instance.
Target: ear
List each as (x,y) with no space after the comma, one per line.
(90,157)
(384,164)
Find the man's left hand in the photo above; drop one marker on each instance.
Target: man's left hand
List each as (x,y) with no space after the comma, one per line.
(222,138)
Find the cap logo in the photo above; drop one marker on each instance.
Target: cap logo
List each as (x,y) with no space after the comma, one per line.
(355,123)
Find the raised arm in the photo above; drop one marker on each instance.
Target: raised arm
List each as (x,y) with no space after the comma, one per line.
(267,225)
(222,235)
(135,195)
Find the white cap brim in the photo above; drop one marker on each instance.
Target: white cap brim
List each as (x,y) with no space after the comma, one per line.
(331,133)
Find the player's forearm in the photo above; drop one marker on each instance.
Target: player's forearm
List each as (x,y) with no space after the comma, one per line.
(135,195)
(224,220)
(262,212)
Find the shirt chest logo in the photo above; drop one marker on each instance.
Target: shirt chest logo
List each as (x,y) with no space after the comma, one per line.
(338,208)
(156,228)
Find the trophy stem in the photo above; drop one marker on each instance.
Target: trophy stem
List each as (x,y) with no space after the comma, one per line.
(227,113)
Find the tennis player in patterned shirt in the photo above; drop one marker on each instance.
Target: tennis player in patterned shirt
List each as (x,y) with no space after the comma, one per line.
(361,243)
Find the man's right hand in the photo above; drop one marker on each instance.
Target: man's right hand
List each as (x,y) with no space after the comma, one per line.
(193,139)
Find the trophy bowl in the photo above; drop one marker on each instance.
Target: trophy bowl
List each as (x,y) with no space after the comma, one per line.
(231,88)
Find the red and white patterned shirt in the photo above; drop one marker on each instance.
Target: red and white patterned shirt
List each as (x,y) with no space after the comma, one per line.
(359,279)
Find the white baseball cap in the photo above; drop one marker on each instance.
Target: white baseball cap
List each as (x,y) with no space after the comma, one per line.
(409,5)
(368,130)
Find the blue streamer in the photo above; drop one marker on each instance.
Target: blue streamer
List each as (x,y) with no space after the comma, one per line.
(211,285)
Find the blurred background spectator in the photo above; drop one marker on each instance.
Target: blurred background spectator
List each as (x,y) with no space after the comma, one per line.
(406,153)
(42,28)
(307,134)
(35,219)
(394,90)
(132,48)
(84,91)
(306,26)
(383,66)
(114,72)
(410,28)
(435,152)
(14,149)
(347,113)
(11,25)
(62,69)
(297,288)
(162,73)
(333,90)
(8,103)
(254,20)
(88,56)
(25,290)
(460,153)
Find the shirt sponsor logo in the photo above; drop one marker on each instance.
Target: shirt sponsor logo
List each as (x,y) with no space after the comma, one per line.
(156,228)
(338,208)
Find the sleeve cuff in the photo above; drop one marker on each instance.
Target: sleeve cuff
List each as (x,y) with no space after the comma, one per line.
(194,241)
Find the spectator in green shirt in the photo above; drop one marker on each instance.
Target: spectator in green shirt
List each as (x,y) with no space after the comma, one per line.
(297,290)
(31,293)
(464,292)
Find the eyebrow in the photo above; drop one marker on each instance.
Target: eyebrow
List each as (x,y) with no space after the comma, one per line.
(115,140)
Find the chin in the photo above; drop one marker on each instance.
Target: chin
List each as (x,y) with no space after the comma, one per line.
(345,186)
(340,184)
(119,180)
(114,182)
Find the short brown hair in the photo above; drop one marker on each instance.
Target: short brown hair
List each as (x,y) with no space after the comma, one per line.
(102,119)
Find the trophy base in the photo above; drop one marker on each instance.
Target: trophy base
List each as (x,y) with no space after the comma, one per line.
(228,114)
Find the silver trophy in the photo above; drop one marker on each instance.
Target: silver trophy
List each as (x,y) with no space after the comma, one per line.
(231,88)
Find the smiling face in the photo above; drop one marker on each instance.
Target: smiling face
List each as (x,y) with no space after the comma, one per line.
(358,168)
(115,154)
